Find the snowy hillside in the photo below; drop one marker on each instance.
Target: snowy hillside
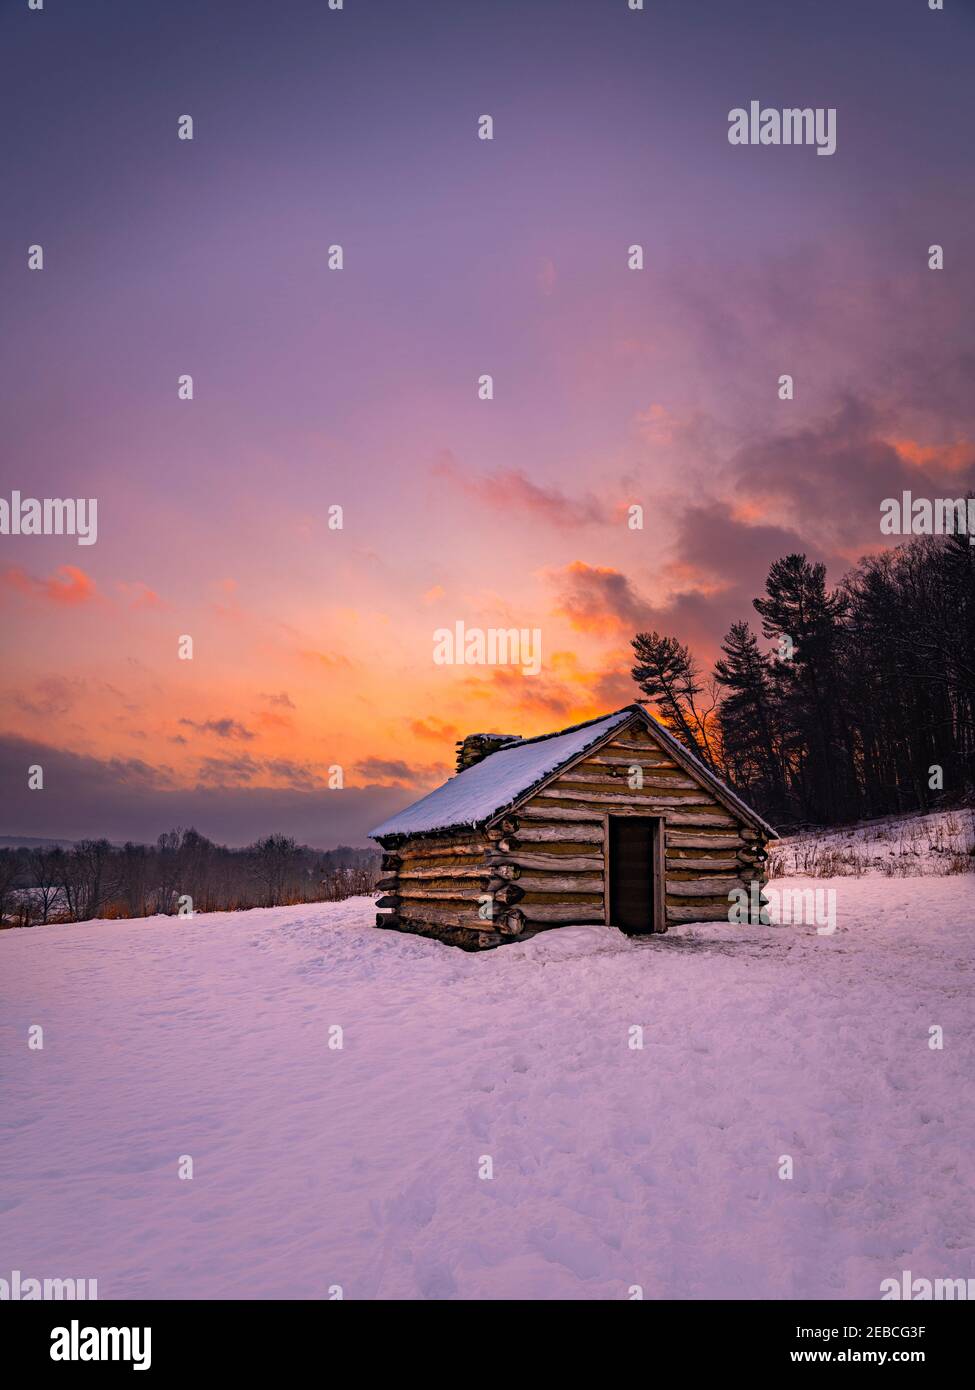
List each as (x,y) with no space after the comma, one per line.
(613,1166)
(897,846)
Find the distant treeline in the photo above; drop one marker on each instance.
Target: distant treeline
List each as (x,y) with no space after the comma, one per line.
(865,705)
(184,869)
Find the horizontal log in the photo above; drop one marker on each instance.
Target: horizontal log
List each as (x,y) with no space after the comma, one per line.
(537,811)
(699,902)
(560,883)
(439,871)
(460,902)
(560,912)
(699,819)
(447,840)
(700,863)
(440,895)
(385,883)
(467,938)
(610,760)
(456,851)
(388,900)
(587,779)
(555,862)
(631,745)
(390,861)
(713,913)
(461,888)
(701,887)
(715,839)
(565,849)
(627,798)
(510,923)
(387,919)
(558,834)
(572,900)
(438,916)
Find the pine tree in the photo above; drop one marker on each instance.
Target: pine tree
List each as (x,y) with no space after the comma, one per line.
(747,718)
(668,676)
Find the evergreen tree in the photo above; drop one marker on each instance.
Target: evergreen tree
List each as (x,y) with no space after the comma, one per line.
(668,676)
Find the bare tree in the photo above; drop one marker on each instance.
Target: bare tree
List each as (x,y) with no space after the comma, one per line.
(46,889)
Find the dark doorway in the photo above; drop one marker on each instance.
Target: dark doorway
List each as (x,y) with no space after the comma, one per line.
(632,854)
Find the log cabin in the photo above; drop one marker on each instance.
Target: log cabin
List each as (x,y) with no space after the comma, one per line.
(613,821)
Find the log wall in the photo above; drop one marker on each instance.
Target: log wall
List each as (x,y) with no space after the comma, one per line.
(708,849)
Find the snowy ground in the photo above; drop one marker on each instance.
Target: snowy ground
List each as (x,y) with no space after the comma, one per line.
(942,842)
(612,1166)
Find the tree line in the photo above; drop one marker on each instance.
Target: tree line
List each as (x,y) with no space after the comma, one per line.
(182,871)
(863,706)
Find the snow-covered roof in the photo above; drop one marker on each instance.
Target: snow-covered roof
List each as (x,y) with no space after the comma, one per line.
(477,793)
(497,781)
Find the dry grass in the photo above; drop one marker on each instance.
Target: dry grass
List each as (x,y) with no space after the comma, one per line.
(939,845)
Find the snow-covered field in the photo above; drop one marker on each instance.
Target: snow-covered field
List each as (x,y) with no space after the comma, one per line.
(942,842)
(613,1166)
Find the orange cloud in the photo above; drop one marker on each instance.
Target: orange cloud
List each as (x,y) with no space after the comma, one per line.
(936,458)
(433,729)
(749,513)
(269,719)
(67,585)
(596,598)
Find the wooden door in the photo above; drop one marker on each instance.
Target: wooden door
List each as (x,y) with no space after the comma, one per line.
(632,855)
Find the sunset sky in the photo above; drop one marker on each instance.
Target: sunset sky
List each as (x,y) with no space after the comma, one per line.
(313,647)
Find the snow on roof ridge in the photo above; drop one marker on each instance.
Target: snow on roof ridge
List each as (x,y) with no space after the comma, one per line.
(492,784)
(572,728)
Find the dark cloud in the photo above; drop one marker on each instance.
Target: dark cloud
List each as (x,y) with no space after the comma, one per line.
(48,696)
(834,473)
(223,728)
(228,772)
(593,597)
(299,775)
(127,799)
(385,770)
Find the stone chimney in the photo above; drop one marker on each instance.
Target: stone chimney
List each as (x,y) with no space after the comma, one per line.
(475,747)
